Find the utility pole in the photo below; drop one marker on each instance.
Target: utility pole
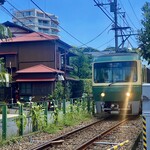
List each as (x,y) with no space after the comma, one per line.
(116,24)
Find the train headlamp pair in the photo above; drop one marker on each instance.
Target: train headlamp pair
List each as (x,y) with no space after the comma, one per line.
(127,94)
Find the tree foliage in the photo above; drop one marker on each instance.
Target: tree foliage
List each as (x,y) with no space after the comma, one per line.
(81,63)
(3,73)
(5,33)
(144,33)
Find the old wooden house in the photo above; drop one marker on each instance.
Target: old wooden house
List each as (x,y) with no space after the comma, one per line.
(34,60)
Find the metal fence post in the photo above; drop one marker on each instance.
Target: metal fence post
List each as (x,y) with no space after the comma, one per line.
(82,103)
(93,107)
(64,106)
(88,104)
(71,105)
(21,119)
(4,122)
(46,112)
(78,109)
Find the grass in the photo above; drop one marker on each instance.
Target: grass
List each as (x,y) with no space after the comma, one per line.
(71,118)
(68,119)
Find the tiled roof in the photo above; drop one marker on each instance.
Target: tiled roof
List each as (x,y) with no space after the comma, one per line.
(39,69)
(8,53)
(35,36)
(35,80)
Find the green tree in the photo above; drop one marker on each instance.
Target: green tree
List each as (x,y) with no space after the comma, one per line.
(58,93)
(144,33)
(3,73)
(5,33)
(81,63)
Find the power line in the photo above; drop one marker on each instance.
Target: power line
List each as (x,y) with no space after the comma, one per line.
(21,22)
(117,27)
(97,35)
(18,11)
(8,12)
(105,43)
(57,24)
(133,11)
(54,22)
(128,15)
(98,4)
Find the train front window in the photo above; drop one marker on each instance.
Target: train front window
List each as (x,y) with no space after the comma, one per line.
(115,72)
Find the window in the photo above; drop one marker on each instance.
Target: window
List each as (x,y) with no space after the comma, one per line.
(40,14)
(41,89)
(25,89)
(115,72)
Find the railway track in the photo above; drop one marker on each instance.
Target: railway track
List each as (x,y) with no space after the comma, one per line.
(94,136)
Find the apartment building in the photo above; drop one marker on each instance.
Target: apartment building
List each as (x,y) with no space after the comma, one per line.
(37,21)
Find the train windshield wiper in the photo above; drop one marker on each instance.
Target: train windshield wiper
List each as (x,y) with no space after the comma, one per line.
(111,83)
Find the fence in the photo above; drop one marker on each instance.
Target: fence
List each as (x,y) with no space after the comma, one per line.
(25,111)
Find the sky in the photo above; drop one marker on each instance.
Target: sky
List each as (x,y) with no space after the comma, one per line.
(83,20)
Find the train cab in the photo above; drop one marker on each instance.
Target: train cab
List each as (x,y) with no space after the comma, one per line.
(117,80)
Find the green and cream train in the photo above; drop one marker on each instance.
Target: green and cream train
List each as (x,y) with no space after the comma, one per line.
(117,83)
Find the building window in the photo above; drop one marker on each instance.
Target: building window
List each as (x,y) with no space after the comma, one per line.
(25,89)
(40,14)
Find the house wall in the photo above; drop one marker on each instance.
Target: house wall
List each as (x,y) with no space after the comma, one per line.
(29,54)
(35,53)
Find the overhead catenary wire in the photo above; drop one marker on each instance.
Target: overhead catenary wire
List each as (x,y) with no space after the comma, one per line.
(18,10)
(105,43)
(97,4)
(21,21)
(133,31)
(57,24)
(128,15)
(97,35)
(123,30)
(8,12)
(83,44)
(133,11)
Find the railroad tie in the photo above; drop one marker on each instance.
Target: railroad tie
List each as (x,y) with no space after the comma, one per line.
(119,145)
(144,134)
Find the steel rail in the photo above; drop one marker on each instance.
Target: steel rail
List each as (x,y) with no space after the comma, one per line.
(54,140)
(98,137)
(91,141)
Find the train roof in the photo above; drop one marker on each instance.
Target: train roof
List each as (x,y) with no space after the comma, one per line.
(117,57)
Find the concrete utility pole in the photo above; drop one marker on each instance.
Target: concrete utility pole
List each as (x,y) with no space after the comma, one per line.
(119,31)
(116,25)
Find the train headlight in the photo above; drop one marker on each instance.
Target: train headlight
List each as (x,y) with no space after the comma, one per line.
(128,94)
(102,94)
